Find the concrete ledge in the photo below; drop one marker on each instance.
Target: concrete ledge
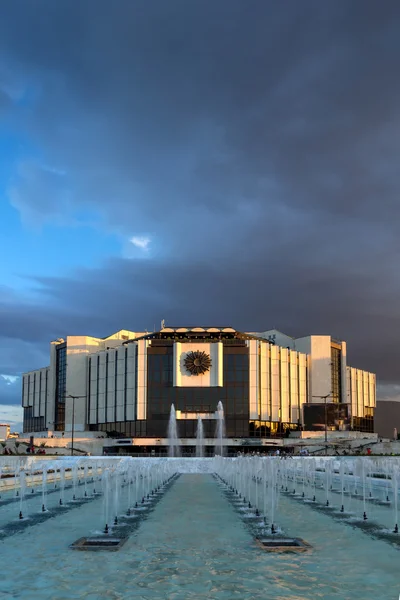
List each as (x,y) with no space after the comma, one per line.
(283,544)
(95,544)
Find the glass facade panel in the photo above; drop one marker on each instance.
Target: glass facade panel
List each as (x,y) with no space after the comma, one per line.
(336,373)
(161,394)
(61,382)
(337,416)
(365,424)
(32,423)
(234,395)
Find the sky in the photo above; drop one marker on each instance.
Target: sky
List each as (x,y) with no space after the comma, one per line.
(212,162)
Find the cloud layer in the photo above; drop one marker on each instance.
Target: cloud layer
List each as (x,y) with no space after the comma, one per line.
(255,143)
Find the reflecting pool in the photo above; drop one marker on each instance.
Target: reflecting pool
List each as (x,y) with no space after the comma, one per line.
(193,543)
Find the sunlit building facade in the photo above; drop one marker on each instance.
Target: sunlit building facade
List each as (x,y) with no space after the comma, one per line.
(269,384)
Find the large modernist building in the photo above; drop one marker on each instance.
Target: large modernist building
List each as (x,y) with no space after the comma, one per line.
(269,384)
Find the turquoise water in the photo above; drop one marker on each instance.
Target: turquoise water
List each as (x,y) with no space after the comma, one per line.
(195,545)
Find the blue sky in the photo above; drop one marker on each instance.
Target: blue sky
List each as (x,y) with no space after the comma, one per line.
(44,248)
(50,246)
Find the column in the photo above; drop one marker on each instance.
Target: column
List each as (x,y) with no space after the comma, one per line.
(177,374)
(360,393)
(130,392)
(284,382)
(303,375)
(101,415)
(93,389)
(253,379)
(265,381)
(294,387)
(275,387)
(120,390)
(111,386)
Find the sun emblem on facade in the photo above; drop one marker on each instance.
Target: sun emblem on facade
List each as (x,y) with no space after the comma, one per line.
(197,362)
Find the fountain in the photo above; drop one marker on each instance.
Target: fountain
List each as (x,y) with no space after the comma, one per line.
(106,498)
(62,486)
(22,479)
(199,438)
(220,433)
(44,489)
(173,440)
(132,487)
(395,499)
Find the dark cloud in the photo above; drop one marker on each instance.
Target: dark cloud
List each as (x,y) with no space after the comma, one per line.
(254,296)
(10,392)
(255,142)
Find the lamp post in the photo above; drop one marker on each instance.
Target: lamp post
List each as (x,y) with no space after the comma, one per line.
(326,419)
(73,419)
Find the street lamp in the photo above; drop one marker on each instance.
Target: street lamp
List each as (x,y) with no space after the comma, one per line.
(326,418)
(73,419)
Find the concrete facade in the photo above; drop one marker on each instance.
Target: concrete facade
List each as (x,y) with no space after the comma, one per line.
(105,380)
(4,431)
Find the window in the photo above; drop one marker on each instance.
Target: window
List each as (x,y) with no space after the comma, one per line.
(365,424)
(336,374)
(161,393)
(32,423)
(61,383)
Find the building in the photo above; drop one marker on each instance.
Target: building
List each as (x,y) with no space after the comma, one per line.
(269,384)
(4,431)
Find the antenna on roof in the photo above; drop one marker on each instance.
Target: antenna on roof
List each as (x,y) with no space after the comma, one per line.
(162,324)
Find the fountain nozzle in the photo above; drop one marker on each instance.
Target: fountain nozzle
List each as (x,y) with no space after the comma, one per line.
(365,516)
(116,521)
(396,529)
(106,529)
(21,517)
(273,530)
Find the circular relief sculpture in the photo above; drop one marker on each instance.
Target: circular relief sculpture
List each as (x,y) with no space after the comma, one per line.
(197,362)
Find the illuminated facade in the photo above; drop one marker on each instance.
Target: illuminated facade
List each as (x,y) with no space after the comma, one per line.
(269,384)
